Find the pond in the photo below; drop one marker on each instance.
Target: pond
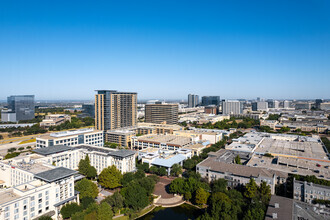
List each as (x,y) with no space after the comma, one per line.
(183,211)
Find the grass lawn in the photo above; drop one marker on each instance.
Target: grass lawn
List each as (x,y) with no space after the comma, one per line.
(28,141)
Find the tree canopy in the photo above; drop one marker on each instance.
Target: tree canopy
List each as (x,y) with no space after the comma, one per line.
(110,177)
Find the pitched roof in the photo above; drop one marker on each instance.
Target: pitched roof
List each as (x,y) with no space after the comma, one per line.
(52,150)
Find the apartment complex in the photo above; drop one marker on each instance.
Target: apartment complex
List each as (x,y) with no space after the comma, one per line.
(260,106)
(307,192)
(231,107)
(71,138)
(161,113)
(32,188)
(193,100)
(100,157)
(115,109)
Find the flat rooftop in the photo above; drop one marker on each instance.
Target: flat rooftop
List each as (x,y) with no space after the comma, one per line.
(29,166)
(308,149)
(165,139)
(7,195)
(52,150)
(55,174)
(292,165)
(68,133)
(108,151)
(215,164)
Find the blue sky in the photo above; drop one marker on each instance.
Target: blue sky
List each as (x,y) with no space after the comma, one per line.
(165,49)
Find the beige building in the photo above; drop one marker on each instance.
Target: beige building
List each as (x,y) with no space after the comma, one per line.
(161,113)
(115,109)
(166,142)
(269,123)
(54,120)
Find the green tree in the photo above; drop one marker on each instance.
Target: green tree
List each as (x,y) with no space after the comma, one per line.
(86,202)
(91,172)
(176,170)
(153,169)
(104,211)
(110,177)
(178,186)
(87,188)
(187,196)
(162,171)
(238,160)
(265,192)
(127,178)
(69,209)
(116,201)
(219,185)
(251,189)
(220,206)
(83,165)
(135,196)
(201,196)
(189,164)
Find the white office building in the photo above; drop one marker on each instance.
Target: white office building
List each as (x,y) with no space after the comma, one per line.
(87,136)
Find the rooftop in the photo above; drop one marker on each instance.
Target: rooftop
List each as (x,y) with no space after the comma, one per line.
(168,162)
(52,150)
(55,174)
(166,139)
(280,206)
(108,151)
(67,133)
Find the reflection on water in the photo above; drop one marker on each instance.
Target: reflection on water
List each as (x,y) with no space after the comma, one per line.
(183,211)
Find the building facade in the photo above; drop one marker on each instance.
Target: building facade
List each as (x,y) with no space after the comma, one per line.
(307,192)
(232,107)
(71,138)
(210,100)
(161,113)
(22,105)
(193,100)
(115,109)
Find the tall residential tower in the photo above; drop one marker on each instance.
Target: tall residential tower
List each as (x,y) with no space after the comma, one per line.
(193,100)
(115,109)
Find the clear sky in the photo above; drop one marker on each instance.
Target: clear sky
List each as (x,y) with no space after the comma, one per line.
(165,49)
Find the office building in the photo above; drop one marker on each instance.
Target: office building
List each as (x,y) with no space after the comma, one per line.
(115,109)
(22,106)
(286,104)
(318,103)
(8,116)
(260,106)
(210,100)
(211,109)
(88,110)
(161,113)
(325,106)
(231,107)
(193,100)
(71,138)
(303,106)
(273,104)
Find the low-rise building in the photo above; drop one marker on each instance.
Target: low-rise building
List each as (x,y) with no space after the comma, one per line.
(54,120)
(270,123)
(168,142)
(87,136)
(213,168)
(307,192)
(100,157)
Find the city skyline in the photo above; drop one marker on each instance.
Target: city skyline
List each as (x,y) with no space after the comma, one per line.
(166,49)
